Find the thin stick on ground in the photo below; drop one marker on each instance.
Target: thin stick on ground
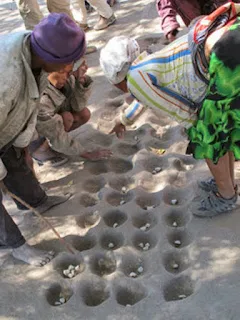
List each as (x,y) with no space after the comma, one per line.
(64,242)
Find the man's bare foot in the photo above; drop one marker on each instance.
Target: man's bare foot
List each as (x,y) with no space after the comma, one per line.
(32,255)
(52,201)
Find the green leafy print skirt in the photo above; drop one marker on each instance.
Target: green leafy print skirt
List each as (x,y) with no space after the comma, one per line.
(217,129)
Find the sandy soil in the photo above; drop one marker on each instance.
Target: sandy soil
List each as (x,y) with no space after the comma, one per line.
(120,277)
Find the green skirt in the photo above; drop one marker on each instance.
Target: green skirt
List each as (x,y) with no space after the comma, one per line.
(217,129)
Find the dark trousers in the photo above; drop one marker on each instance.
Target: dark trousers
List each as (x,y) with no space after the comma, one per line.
(21,182)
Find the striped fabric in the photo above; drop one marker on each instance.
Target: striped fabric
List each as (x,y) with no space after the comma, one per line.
(151,77)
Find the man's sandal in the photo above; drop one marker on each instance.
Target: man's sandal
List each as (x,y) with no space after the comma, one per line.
(213,204)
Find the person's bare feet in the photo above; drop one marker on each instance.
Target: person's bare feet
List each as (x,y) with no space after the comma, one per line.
(32,256)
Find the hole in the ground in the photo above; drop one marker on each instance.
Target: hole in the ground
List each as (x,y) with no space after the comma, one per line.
(94,293)
(127,149)
(111,240)
(148,201)
(144,241)
(88,219)
(178,289)
(129,293)
(57,295)
(133,265)
(179,239)
(155,165)
(177,196)
(103,263)
(87,200)
(183,164)
(122,184)
(82,243)
(119,199)
(120,165)
(176,217)
(175,262)
(97,168)
(114,218)
(93,185)
(68,265)
(144,221)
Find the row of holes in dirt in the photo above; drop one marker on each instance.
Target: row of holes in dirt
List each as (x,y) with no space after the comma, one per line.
(118,165)
(128,293)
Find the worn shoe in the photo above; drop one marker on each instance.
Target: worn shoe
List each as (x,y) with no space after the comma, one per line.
(103,23)
(212,205)
(208,185)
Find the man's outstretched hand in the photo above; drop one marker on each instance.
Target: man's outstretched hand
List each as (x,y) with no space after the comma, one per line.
(119,129)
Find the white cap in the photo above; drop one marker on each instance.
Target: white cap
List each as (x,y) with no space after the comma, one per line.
(117,56)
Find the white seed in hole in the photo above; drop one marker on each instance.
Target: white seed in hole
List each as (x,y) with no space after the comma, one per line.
(136,138)
(140,269)
(177,242)
(133,275)
(122,202)
(66,272)
(174,224)
(175,266)
(111,245)
(174,201)
(115,225)
(143,228)
(154,172)
(71,267)
(158,169)
(148,225)
(145,248)
(71,275)
(147,244)
(128,305)
(62,300)
(57,303)
(182,296)
(141,245)
(124,189)
(77,268)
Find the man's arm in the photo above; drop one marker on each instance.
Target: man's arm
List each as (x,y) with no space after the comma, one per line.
(167,13)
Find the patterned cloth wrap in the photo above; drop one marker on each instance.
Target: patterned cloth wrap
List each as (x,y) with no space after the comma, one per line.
(216,130)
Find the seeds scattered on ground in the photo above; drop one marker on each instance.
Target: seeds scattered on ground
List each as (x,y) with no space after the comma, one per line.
(146,247)
(111,245)
(174,224)
(115,225)
(182,296)
(174,201)
(61,300)
(149,207)
(145,227)
(175,266)
(141,245)
(133,275)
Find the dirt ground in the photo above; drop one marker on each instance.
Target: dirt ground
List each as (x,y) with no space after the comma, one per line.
(141,256)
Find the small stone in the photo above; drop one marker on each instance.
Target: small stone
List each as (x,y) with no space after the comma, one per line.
(71,267)
(136,138)
(122,202)
(62,300)
(154,172)
(143,228)
(182,296)
(115,225)
(57,303)
(175,266)
(141,245)
(177,242)
(158,169)
(133,275)
(66,272)
(77,268)
(174,224)
(174,201)
(124,189)
(110,245)
(140,269)
(147,225)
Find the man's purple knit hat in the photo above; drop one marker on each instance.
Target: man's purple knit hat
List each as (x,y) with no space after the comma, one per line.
(58,39)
